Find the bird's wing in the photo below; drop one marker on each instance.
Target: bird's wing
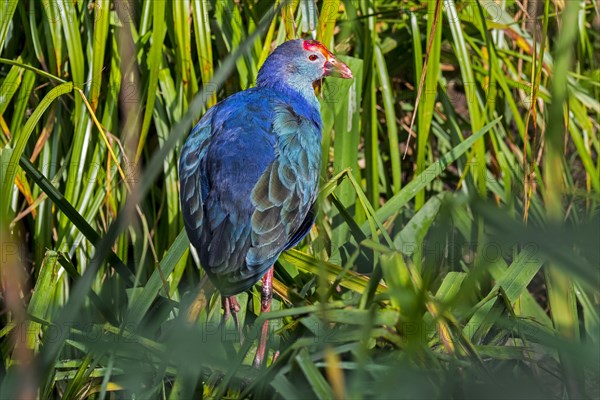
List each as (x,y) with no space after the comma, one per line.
(247,185)
(285,193)
(221,162)
(193,184)
(238,155)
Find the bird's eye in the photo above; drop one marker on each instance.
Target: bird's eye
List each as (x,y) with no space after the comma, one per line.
(312,57)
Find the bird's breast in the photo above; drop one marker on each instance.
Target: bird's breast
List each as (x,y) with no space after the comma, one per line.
(299,150)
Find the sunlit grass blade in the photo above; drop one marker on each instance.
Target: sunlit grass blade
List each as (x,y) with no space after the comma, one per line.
(429,88)
(20,141)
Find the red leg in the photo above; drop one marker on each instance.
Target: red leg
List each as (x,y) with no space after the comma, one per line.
(226,309)
(266,296)
(231,307)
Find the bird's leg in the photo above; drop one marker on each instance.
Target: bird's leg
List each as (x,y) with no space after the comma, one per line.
(231,307)
(235,307)
(226,309)
(266,295)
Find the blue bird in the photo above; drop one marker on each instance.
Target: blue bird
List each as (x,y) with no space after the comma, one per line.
(249,173)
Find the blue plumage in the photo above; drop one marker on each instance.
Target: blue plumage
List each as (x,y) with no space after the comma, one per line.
(249,170)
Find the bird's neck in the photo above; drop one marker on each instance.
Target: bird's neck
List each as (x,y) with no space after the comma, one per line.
(294,88)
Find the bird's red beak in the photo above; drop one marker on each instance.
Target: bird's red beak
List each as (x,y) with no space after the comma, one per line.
(334,67)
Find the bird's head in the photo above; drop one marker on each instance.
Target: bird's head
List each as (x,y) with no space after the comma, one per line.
(301,62)
(320,61)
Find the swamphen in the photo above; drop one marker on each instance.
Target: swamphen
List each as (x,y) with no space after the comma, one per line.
(249,173)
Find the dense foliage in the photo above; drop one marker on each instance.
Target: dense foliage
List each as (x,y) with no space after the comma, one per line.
(461,260)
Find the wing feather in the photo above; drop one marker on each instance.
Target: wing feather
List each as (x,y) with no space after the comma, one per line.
(193,185)
(286,192)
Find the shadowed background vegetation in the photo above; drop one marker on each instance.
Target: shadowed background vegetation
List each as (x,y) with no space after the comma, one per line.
(460,260)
